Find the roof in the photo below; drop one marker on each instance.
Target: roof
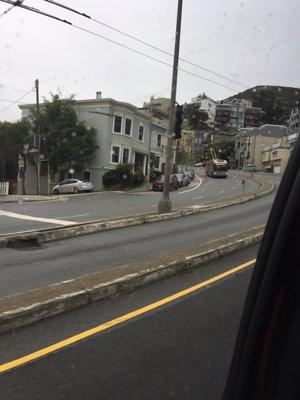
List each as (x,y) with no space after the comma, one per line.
(101,101)
(265,130)
(155,110)
(203,96)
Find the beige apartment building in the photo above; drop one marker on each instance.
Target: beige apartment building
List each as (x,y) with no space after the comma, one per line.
(249,144)
(276,156)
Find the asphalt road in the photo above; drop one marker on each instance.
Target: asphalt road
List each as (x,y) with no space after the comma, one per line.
(25,269)
(98,205)
(180,350)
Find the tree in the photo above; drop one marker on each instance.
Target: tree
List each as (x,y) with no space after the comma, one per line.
(66,141)
(2,168)
(224,148)
(273,107)
(13,136)
(195,117)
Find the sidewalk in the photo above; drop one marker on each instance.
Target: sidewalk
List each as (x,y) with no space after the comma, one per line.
(23,198)
(144,188)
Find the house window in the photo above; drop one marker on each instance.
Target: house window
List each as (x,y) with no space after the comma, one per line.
(274,153)
(118,124)
(141,133)
(115,154)
(158,140)
(87,175)
(125,155)
(127,126)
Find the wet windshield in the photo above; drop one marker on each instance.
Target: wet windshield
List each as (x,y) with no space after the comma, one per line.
(119,237)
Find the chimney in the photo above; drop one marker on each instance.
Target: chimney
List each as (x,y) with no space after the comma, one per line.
(98,95)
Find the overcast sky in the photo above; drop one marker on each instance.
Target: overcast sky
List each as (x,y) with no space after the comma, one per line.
(251,41)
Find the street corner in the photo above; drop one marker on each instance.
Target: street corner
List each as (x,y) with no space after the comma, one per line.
(20,199)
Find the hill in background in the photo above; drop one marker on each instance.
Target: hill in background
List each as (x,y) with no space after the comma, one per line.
(276,101)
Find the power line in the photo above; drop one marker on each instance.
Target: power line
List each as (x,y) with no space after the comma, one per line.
(11,87)
(6,11)
(15,3)
(68,8)
(150,57)
(146,43)
(168,53)
(8,100)
(16,101)
(121,45)
(36,11)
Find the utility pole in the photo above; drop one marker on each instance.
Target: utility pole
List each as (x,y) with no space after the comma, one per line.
(165,204)
(37,139)
(253,153)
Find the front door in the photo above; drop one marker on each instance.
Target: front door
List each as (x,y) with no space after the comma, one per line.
(139,162)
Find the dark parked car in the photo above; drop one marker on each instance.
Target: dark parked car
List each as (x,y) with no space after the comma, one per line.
(183,179)
(158,184)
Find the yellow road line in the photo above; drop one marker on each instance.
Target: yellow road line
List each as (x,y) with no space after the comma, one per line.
(119,320)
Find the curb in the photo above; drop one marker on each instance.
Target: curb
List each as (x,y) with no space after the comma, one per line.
(22,201)
(59,233)
(24,308)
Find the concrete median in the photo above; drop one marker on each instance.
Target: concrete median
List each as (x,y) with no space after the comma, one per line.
(24,308)
(36,237)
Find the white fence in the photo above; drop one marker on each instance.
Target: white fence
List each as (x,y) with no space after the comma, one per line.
(4,187)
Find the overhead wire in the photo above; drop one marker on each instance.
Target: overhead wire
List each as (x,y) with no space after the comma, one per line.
(11,87)
(6,11)
(36,11)
(16,101)
(32,9)
(7,100)
(145,43)
(150,57)
(15,3)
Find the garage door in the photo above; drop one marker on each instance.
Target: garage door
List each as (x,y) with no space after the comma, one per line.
(277,169)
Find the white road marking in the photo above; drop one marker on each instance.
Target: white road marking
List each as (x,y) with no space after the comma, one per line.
(194,188)
(222,191)
(199,197)
(233,187)
(154,205)
(38,219)
(73,216)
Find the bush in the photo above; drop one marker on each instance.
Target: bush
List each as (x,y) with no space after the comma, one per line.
(154,175)
(174,169)
(138,178)
(122,177)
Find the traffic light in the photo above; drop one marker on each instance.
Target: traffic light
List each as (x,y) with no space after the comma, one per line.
(178,121)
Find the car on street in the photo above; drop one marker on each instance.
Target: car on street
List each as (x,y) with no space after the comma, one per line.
(190,173)
(183,179)
(158,184)
(250,168)
(200,164)
(73,186)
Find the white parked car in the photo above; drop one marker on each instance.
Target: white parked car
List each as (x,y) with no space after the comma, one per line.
(73,186)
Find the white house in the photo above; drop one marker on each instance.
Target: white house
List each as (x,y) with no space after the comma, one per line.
(123,133)
(208,105)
